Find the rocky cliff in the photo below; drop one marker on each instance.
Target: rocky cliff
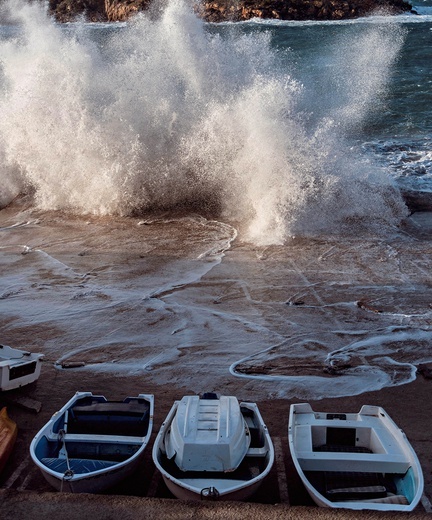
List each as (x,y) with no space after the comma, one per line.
(220,10)
(234,10)
(96,10)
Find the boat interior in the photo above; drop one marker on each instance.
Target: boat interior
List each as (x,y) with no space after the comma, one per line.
(369,464)
(94,435)
(109,418)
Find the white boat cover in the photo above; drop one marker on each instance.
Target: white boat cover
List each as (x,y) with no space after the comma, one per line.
(208,434)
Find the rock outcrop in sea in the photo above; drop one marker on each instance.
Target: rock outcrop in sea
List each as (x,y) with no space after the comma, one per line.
(230,10)
(96,10)
(222,10)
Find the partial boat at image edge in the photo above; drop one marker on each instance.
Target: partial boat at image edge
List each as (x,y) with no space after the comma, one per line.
(354,460)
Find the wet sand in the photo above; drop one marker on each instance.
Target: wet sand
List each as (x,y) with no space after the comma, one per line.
(409,405)
(182,302)
(101,294)
(24,505)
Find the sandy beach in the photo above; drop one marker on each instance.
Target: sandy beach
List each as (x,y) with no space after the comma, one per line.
(25,493)
(49,274)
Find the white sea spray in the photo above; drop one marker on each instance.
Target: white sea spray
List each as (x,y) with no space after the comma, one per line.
(165,113)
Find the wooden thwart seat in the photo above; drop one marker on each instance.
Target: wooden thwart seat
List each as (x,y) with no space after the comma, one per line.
(109,418)
(101,438)
(327,457)
(328,461)
(111,408)
(353,485)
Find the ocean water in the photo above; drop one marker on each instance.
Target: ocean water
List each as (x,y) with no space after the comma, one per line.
(266,123)
(173,140)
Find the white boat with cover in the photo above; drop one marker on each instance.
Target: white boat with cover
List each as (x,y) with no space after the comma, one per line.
(210,447)
(91,444)
(18,367)
(354,460)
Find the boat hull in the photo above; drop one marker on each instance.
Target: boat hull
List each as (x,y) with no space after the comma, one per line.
(239,484)
(8,435)
(239,491)
(354,461)
(92,444)
(18,368)
(95,483)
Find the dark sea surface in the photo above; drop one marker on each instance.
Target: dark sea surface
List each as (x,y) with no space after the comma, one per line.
(343,58)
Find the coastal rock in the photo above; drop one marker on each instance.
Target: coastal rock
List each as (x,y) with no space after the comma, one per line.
(120,10)
(96,10)
(226,10)
(69,10)
(222,10)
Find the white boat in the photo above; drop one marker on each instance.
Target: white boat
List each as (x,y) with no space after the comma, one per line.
(354,460)
(91,444)
(18,367)
(210,448)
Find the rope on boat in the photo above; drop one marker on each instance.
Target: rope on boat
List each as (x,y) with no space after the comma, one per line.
(68,474)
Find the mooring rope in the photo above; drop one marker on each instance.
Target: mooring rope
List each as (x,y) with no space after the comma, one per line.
(68,474)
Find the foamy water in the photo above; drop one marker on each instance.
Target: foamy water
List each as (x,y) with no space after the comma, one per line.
(163,113)
(103,122)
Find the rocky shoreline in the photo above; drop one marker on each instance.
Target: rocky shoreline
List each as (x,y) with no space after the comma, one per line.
(229,10)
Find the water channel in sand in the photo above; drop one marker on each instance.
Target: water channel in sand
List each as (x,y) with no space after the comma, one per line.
(185,300)
(303,282)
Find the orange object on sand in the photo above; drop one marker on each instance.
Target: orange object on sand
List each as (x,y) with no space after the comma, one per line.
(8,435)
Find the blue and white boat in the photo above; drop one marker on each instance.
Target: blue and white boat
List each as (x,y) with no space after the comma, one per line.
(91,444)
(354,460)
